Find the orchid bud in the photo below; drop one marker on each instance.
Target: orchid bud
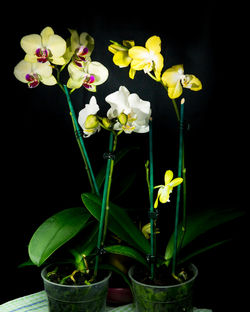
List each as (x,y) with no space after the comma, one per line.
(106,122)
(123,118)
(91,122)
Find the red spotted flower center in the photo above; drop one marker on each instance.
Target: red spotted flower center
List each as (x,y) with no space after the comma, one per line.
(33,80)
(80,55)
(42,55)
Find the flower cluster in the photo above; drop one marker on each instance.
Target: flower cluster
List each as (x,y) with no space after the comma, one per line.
(148,59)
(47,51)
(128,113)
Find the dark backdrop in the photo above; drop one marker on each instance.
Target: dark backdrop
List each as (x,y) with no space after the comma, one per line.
(42,167)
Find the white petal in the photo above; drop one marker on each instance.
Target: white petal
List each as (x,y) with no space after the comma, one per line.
(119,102)
(90,109)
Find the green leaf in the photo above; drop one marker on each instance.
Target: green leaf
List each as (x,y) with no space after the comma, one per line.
(119,222)
(200,223)
(55,232)
(126,251)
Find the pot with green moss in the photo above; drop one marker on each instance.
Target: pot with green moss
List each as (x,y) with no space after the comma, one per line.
(73,293)
(155,297)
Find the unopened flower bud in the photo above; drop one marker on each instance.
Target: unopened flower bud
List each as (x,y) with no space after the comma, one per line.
(106,122)
(91,122)
(123,118)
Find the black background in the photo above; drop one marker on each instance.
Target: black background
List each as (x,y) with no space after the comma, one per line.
(42,167)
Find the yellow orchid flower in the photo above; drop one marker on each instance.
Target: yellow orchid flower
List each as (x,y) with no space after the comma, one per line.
(165,190)
(44,47)
(174,79)
(121,56)
(34,73)
(148,58)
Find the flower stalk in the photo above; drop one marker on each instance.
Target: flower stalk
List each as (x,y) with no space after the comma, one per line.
(180,168)
(105,199)
(151,193)
(81,144)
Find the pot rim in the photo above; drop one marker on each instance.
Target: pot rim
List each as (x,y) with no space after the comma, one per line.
(70,286)
(191,266)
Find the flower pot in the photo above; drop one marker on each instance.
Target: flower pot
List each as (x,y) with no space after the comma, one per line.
(174,298)
(119,296)
(76,298)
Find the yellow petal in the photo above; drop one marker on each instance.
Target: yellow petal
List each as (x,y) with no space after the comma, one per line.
(192,83)
(31,43)
(122,59)
(176,182)
(74,84)
(139,64)
(172,75)
(164,194)
(49,81)
(43,69)
(132,73)
(21,70)
(158,61)
(100,72)
(175,91)
(57,45)
(128,43)
(168,176)
(59,60)
(154,44)
(87,41)
(45,34)
(157,201)
(30,58)
(139,53)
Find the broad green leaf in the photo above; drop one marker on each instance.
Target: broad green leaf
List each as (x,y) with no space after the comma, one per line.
(119,222)
(55,232)
(88,245)
(200,223)
(126,251)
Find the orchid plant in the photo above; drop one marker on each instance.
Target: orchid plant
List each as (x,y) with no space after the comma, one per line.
(47,55)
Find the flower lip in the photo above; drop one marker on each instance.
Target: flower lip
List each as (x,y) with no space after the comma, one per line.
(42,55)
(88,80)
(33,80)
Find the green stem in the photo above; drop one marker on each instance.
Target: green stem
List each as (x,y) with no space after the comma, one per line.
(176,109)
(81,143)
(151,190)
(105,200)
(173,101)
(112,162)
(178,188)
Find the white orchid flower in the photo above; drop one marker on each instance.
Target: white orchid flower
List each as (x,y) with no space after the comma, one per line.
(44,47)
(89,76)
(87,118)
(34,73)
(137,111)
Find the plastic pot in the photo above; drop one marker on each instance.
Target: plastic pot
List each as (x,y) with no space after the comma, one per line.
(119,296)
(174,298)
(74,298)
